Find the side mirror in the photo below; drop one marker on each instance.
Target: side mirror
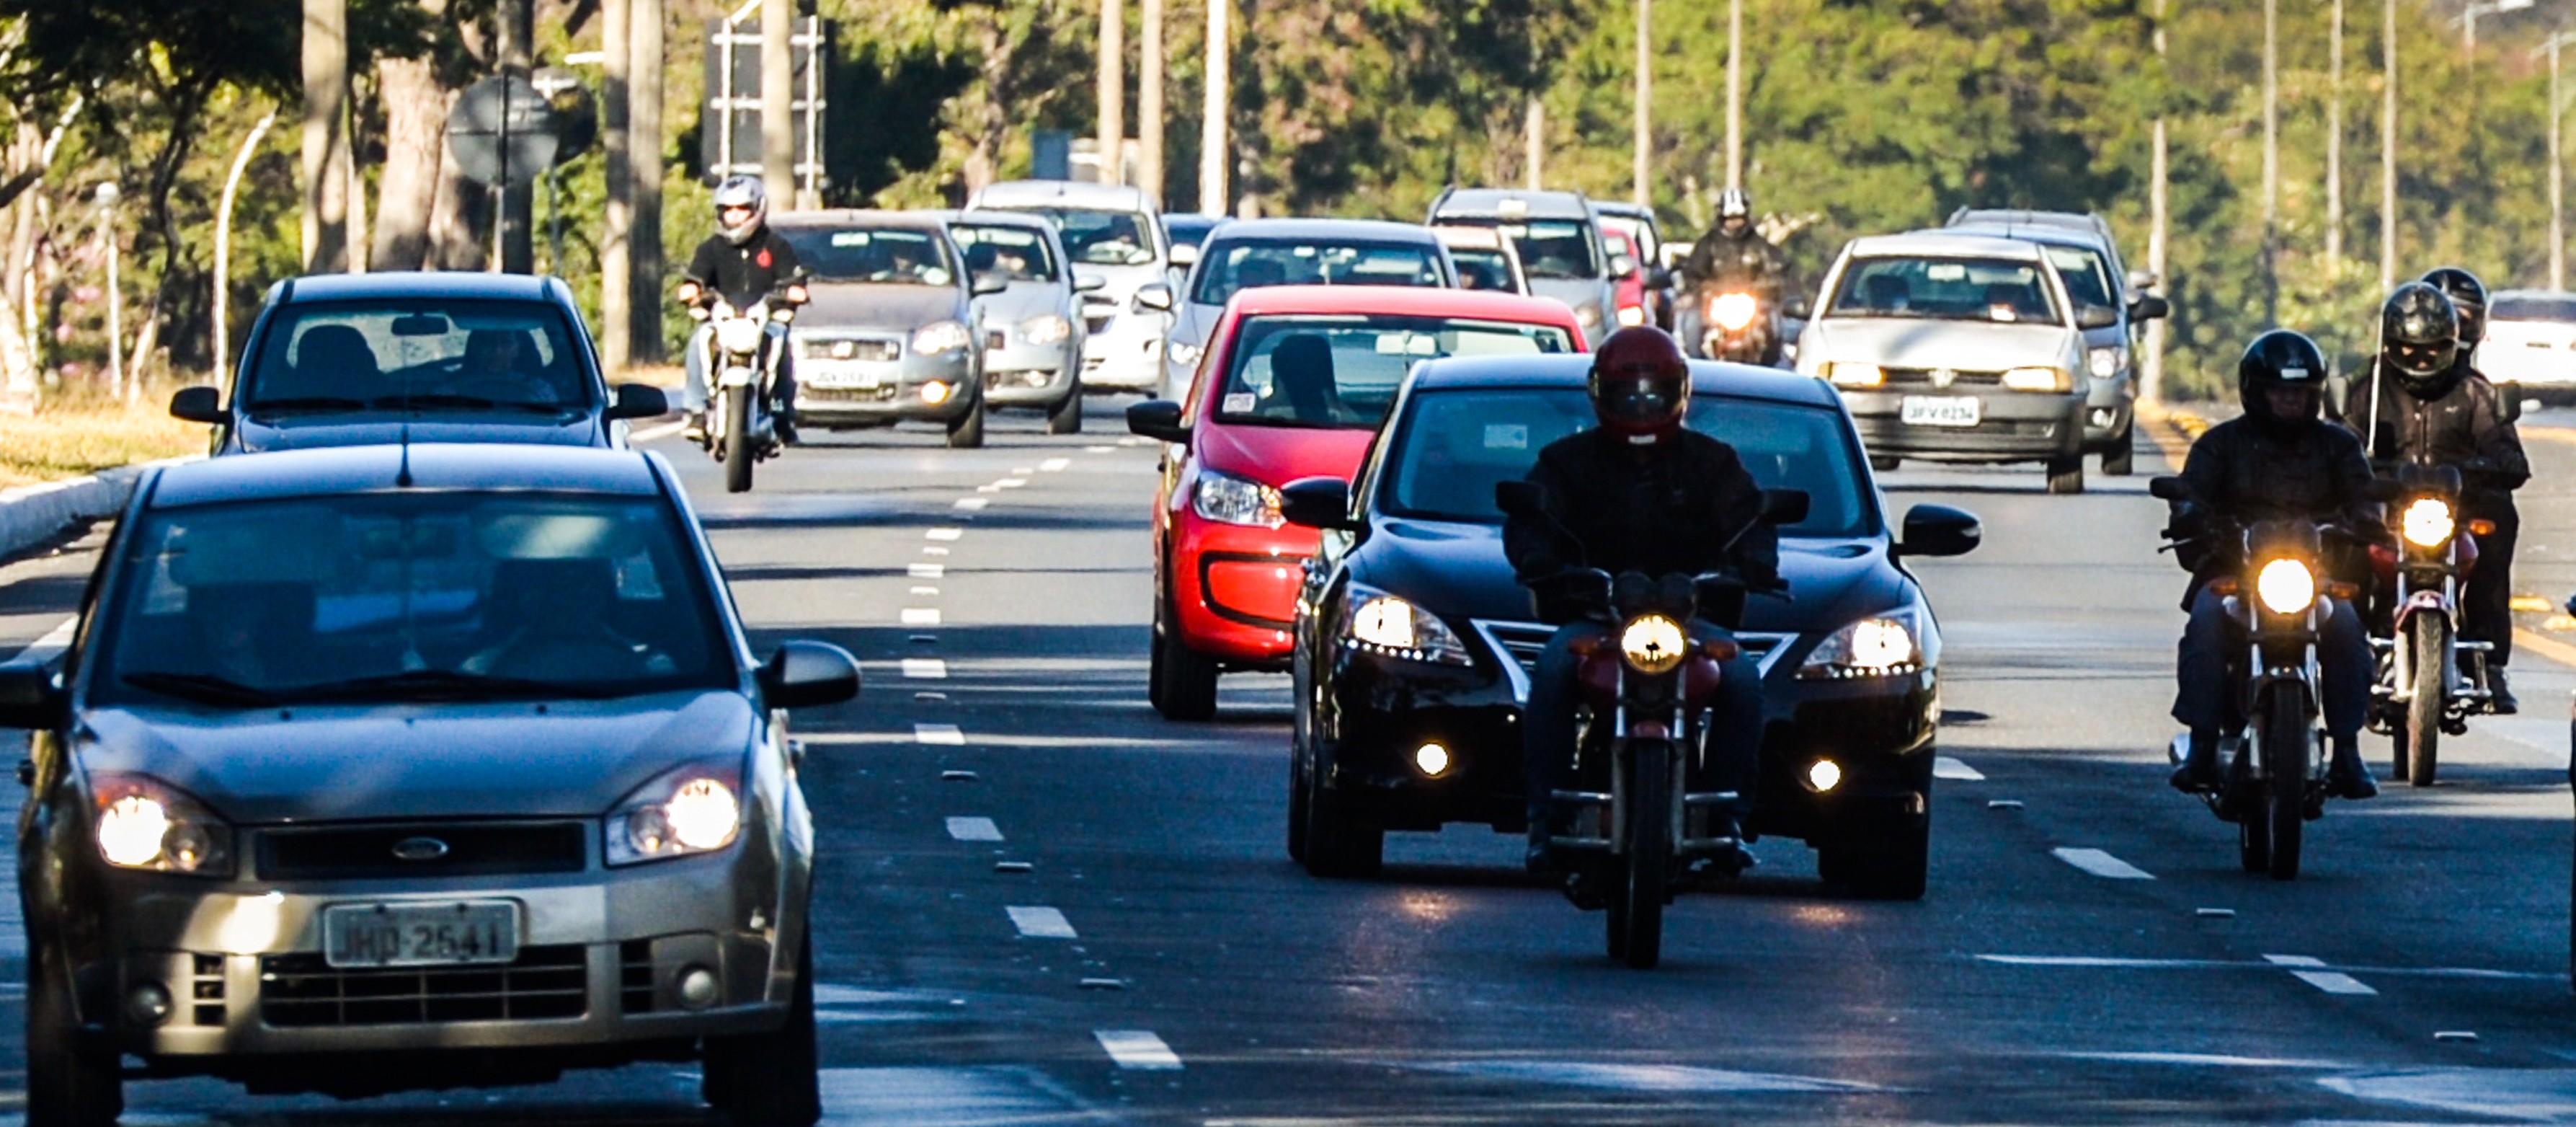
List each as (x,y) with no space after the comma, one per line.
(1184,255)
(2096,316)
(2167,488)
(31,695)
(1939,530)
(197,405)
(1089,283)
(1622,266)
(1520,498)
(1154,295)
(1318,502)
(1158,419)
(987,284)
(1785,506)
(638,401)
(2149,307)
(805,674)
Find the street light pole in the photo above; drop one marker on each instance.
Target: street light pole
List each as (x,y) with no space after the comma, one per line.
(1113,91)
(2271,161)
(2334,145)
(1212,118)
(1735,93)
(2152,371)
(2557,165)
(1644,140)
(1149,102)
(2388,149)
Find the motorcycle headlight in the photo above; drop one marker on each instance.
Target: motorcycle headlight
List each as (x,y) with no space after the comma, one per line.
(1652,643)
(1183,353)
(2107,362)
(1227,499)
(696,809)
(2286,586)
(1878,646)
(1844,373)
(1631,316)
(738,334)
(1049,329)
(1733,311)
(946,336)
(2428,523)
(2038,379)
(144,823)
(1387,626)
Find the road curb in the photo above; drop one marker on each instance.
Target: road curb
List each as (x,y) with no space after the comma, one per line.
(33,514)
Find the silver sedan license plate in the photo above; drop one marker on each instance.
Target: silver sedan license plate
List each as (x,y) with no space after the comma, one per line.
(839,375)
(420,935)
(1940,411)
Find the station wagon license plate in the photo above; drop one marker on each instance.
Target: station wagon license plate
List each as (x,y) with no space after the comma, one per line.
(1940,411)
(824,373)
(420,935)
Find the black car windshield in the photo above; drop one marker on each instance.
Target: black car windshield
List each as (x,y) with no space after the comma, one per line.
(1101,238)
(1228,266)
(1342,371)
(1555,249)
(1945,289)
(1483,269)
(1454,444)
(409,595)
(444,355)
(891,256)
(1017,254)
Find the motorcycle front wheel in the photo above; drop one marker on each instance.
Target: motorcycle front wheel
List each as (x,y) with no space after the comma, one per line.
(738,454)
(1643,874)
(2419,737)
(2285,796)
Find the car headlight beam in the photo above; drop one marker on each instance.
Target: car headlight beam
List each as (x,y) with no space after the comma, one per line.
(1653,643)
(2038,379)
(2428,522)
(1878,646)
(143,823)
(130,830)
(1048,329)
(2286,586)
(1845,373)
(1227,499)
(945,336)
(1388,626)
(1180,353)
(695,809)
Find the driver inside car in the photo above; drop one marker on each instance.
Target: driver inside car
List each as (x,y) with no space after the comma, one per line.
(1638,493)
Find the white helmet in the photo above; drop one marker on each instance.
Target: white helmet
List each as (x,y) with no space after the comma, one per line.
(1734,204)
(741,191)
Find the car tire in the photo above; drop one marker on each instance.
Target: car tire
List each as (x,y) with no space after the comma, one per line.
(1184,681)
(67,1086)
(966,431)
(2066,475)
(2121,458)
(770,1079)
(1297,799)
(1898,868)
(1066,416)
(1884,464)
(1338,845)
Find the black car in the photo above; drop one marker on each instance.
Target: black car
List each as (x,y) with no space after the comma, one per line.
(417,356)
(415,767)
(1415,645)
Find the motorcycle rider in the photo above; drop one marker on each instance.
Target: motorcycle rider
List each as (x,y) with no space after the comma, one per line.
(744,262)
(2279,460)
(1730,257)
(2433,408)
(1638,493)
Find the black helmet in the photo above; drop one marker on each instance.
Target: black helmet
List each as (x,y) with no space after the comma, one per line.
(2419,336)
(2469,296)
(2278,359)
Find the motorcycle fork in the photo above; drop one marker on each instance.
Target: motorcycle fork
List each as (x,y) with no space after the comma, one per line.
(1623,751)
(2266,677)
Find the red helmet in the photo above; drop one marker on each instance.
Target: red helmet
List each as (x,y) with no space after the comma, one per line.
(1640,384)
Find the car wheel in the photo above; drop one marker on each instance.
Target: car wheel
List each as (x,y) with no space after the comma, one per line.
(1297,797)
(966,431)
(2121,459)
(1337,843)
(1894,869)
(770,1079)
(66,1086)
(1066,416)
(1884,464)
(2066,475)
(1184,681)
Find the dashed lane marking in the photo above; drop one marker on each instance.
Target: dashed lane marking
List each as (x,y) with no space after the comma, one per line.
(974,829)
(925,669)
(1040,922)
(1097,449)
(933,550)
(1138,1049)
(1944,767)
(1131,440)
(2120,962)
(921,616)
(2101,864)
(941,735)
(2310,969)
(1054,465)
(927,571)
(55,641)
(925,590)
(944,533)
(970,504)
(1012,482)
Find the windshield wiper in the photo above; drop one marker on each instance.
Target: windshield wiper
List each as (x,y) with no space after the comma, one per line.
(306,403)
(205,688)
(447,684)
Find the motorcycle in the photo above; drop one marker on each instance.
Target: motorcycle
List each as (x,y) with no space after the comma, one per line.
(742,358)
(2271,749)
(1738,326)
(2430,681)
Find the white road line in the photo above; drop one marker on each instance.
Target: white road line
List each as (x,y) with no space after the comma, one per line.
(944,735)
(651,434)
(933,550)
(944,533)
(925,590)
(1022,470)
(1944,767)
(925,669)
(974,829)
(970,504)
(2101,864)
(1011,482)
(988,489)
(1040,923)
(1097,449)
(1138,1049)
(1131,440)
(921,616)
(927,571)
(1054,465)
(2330,981)
(55,641)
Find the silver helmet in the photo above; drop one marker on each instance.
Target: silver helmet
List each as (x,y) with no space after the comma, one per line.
(741,191)
(1734,204)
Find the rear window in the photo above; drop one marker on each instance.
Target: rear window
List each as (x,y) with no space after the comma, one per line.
(1550,248)
(2534,307)
(1229,267)
(429,354)
(1343,371)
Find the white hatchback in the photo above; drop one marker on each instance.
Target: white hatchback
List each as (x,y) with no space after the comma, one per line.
(2531,340)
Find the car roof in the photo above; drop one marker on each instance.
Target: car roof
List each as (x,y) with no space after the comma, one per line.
(2020,217)
(1469,238)
(472,467)
(1574,370)
(853,217)
(1624,210)
(1020,219)
(1409,301)
(1942,243)
(1489,203)
(1299,230)
(416,283)
(1061,193)
(2055,236)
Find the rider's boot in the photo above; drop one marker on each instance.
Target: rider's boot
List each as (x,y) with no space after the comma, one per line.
(695,429)
(2346,775)
(2199,771)
(2501,702)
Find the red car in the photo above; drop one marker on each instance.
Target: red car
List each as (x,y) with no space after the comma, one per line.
(1293,384)
(1631,286)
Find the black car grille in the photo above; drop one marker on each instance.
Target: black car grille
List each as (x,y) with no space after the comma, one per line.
(635,976)
(1922,377)
(883,393)
(1522,641)
(301,991)
(461,849)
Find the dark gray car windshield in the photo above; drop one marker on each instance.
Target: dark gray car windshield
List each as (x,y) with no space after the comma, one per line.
(409,595)
(424,354)
(891,256)
(1556,249)
(1017,254)
(1337,371)
(1454,444)
(1101,238)
(1228,266)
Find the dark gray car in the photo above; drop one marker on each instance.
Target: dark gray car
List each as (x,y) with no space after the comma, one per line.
(893,332)
(393,767)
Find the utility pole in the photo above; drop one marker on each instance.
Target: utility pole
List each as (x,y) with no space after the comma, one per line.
(616,244)
(644,160)
(1644,141)
(1113,91)
(517,230)
(1735,93)
(2388,148)
(2334,145)
(326,136)
(1149,101)
(1534,145)
(778,98)
(2557,170)
(1212,118)
(2151,370)
(2271,161)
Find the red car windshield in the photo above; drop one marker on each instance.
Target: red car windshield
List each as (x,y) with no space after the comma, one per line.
(1342,371)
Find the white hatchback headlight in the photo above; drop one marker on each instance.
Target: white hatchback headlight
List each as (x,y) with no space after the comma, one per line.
(1878,646)
(2107,362)
(1049,329)
(695,809)
(946,336)
(1846,373)
(2038,379)
(1180,353)
(1385,625)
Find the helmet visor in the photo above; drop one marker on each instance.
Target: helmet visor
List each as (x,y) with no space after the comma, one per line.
(2420,359)
(1634,398)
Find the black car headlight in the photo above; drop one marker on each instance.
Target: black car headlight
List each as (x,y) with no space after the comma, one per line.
(1881,645)
(144,823)
(695,809)
(1382,624)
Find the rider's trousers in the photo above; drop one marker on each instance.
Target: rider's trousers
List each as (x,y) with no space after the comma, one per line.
(2200,673)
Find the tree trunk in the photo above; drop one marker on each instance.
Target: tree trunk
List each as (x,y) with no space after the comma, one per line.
(415,139)
(617,241)
(326,139)
(644,153)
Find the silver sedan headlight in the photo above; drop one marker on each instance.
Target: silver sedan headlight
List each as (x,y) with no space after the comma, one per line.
(946,336)
(1049,329)
(144,823)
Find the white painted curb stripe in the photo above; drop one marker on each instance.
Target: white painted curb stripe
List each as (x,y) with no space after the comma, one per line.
(921,616)
(2101,864)
(1138,1049)
(941,734)
(1041,923)
(925,668)
(1944,767)
(927,571)
(974,829)
(55,641)
(943,532)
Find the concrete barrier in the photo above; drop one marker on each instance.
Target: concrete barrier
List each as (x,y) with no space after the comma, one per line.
(33,514)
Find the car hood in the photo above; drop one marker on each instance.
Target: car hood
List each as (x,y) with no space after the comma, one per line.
(859,305)
(1574,292)
(310,431)
(1906,343)
(1458,571)
(349,762)
(1023,301)
(1279,455)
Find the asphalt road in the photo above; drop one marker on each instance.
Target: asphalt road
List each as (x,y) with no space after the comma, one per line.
(1161,961)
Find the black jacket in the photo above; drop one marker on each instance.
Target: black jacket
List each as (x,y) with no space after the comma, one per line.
(1672,510)
(2465,426)
(2238,473)
(763,265)
(1748,259)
